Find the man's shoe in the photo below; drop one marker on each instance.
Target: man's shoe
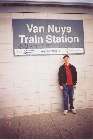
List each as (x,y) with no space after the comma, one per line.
(65,112)
(73,111)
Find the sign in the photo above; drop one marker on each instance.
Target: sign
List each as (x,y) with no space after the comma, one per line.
(47,36)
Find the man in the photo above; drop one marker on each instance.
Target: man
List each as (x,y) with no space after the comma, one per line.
(67,77)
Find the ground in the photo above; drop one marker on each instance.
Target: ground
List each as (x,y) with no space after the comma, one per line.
(49,126)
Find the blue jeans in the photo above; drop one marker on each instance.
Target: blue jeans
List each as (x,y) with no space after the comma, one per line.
(68,93)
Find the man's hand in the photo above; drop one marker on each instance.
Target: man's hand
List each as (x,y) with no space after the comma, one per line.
(61,87)
(74,86)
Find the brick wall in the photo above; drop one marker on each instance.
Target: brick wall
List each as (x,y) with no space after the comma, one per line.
(28,85)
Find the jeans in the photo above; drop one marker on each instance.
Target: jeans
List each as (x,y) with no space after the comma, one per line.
(68,93)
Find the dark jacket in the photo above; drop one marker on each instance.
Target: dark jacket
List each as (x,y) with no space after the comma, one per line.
(62,75)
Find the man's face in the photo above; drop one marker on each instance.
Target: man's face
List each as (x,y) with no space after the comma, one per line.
(66,60)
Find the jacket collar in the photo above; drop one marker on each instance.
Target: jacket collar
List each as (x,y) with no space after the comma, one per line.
(69,64)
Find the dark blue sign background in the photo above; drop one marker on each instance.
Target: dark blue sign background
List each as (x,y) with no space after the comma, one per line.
(47,36)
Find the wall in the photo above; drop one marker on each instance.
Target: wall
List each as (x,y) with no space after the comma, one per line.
(29,85)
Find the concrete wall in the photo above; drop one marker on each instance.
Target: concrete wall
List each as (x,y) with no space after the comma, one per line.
(29,85)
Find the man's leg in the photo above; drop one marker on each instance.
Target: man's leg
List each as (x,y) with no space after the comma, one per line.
(71,93)
(65,97)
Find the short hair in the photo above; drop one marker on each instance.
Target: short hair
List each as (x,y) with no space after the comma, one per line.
(65,56)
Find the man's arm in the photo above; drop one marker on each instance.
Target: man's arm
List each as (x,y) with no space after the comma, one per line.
(75,75)
(60,78)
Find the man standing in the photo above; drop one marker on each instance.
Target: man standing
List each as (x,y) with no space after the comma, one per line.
(67,77)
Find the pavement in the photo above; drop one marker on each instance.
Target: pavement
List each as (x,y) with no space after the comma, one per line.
(49,126)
